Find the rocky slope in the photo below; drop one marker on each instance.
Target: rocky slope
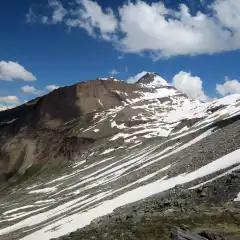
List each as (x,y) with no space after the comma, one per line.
(81,152)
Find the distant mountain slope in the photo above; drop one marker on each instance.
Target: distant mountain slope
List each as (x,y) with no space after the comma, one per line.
(82,151)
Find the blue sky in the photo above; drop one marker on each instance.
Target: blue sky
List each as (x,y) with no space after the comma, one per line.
(61,42)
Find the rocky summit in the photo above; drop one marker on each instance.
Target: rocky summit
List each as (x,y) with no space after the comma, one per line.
(105,159)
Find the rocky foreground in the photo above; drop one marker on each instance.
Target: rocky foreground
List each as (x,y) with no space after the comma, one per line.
(198,211)
(107,159)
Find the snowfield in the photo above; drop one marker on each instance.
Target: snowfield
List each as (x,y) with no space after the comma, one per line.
(83,218)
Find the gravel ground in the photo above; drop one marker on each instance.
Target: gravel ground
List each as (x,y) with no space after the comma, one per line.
(153,218)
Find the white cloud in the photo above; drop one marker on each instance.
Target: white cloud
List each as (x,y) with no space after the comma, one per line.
(31,90)
(136,77)
(59,12)
(13,70)
(51,87)
(5,107)
(57,15)
(85,14)
(90,16)
(228,13)
(229,87)
(190,85)
(152,27)
(30,16)
(44,19)
(113,72)
(9,100)
(166,32)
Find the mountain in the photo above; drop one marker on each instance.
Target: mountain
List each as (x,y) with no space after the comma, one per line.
(153,80)
(123,157)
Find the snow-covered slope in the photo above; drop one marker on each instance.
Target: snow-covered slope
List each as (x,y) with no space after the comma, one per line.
(156,139)
(160,110)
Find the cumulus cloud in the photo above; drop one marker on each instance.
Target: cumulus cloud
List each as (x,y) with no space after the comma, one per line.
(13,70)
(90,16)
(9,100)
(85,14)
(190,85)
(5,107)
(166,32)
(136,77)
(113,72)
(229,87)
(51,87)
(161,31)
(31,90)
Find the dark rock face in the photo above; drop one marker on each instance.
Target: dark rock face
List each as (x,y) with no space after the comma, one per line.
(28,129)
(67,103)
(179,234)
(147,78)
(211,236)
(183,234)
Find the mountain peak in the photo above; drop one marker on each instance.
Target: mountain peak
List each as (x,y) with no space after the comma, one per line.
(152,79)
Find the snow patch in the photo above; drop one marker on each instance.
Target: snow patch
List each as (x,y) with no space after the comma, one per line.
(45,201)
(107,151)
(8,122)
(100,103)
(237,199)
(114,124)
(44,190)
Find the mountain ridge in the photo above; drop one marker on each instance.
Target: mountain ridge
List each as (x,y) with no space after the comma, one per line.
(82,151)
(127,103)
